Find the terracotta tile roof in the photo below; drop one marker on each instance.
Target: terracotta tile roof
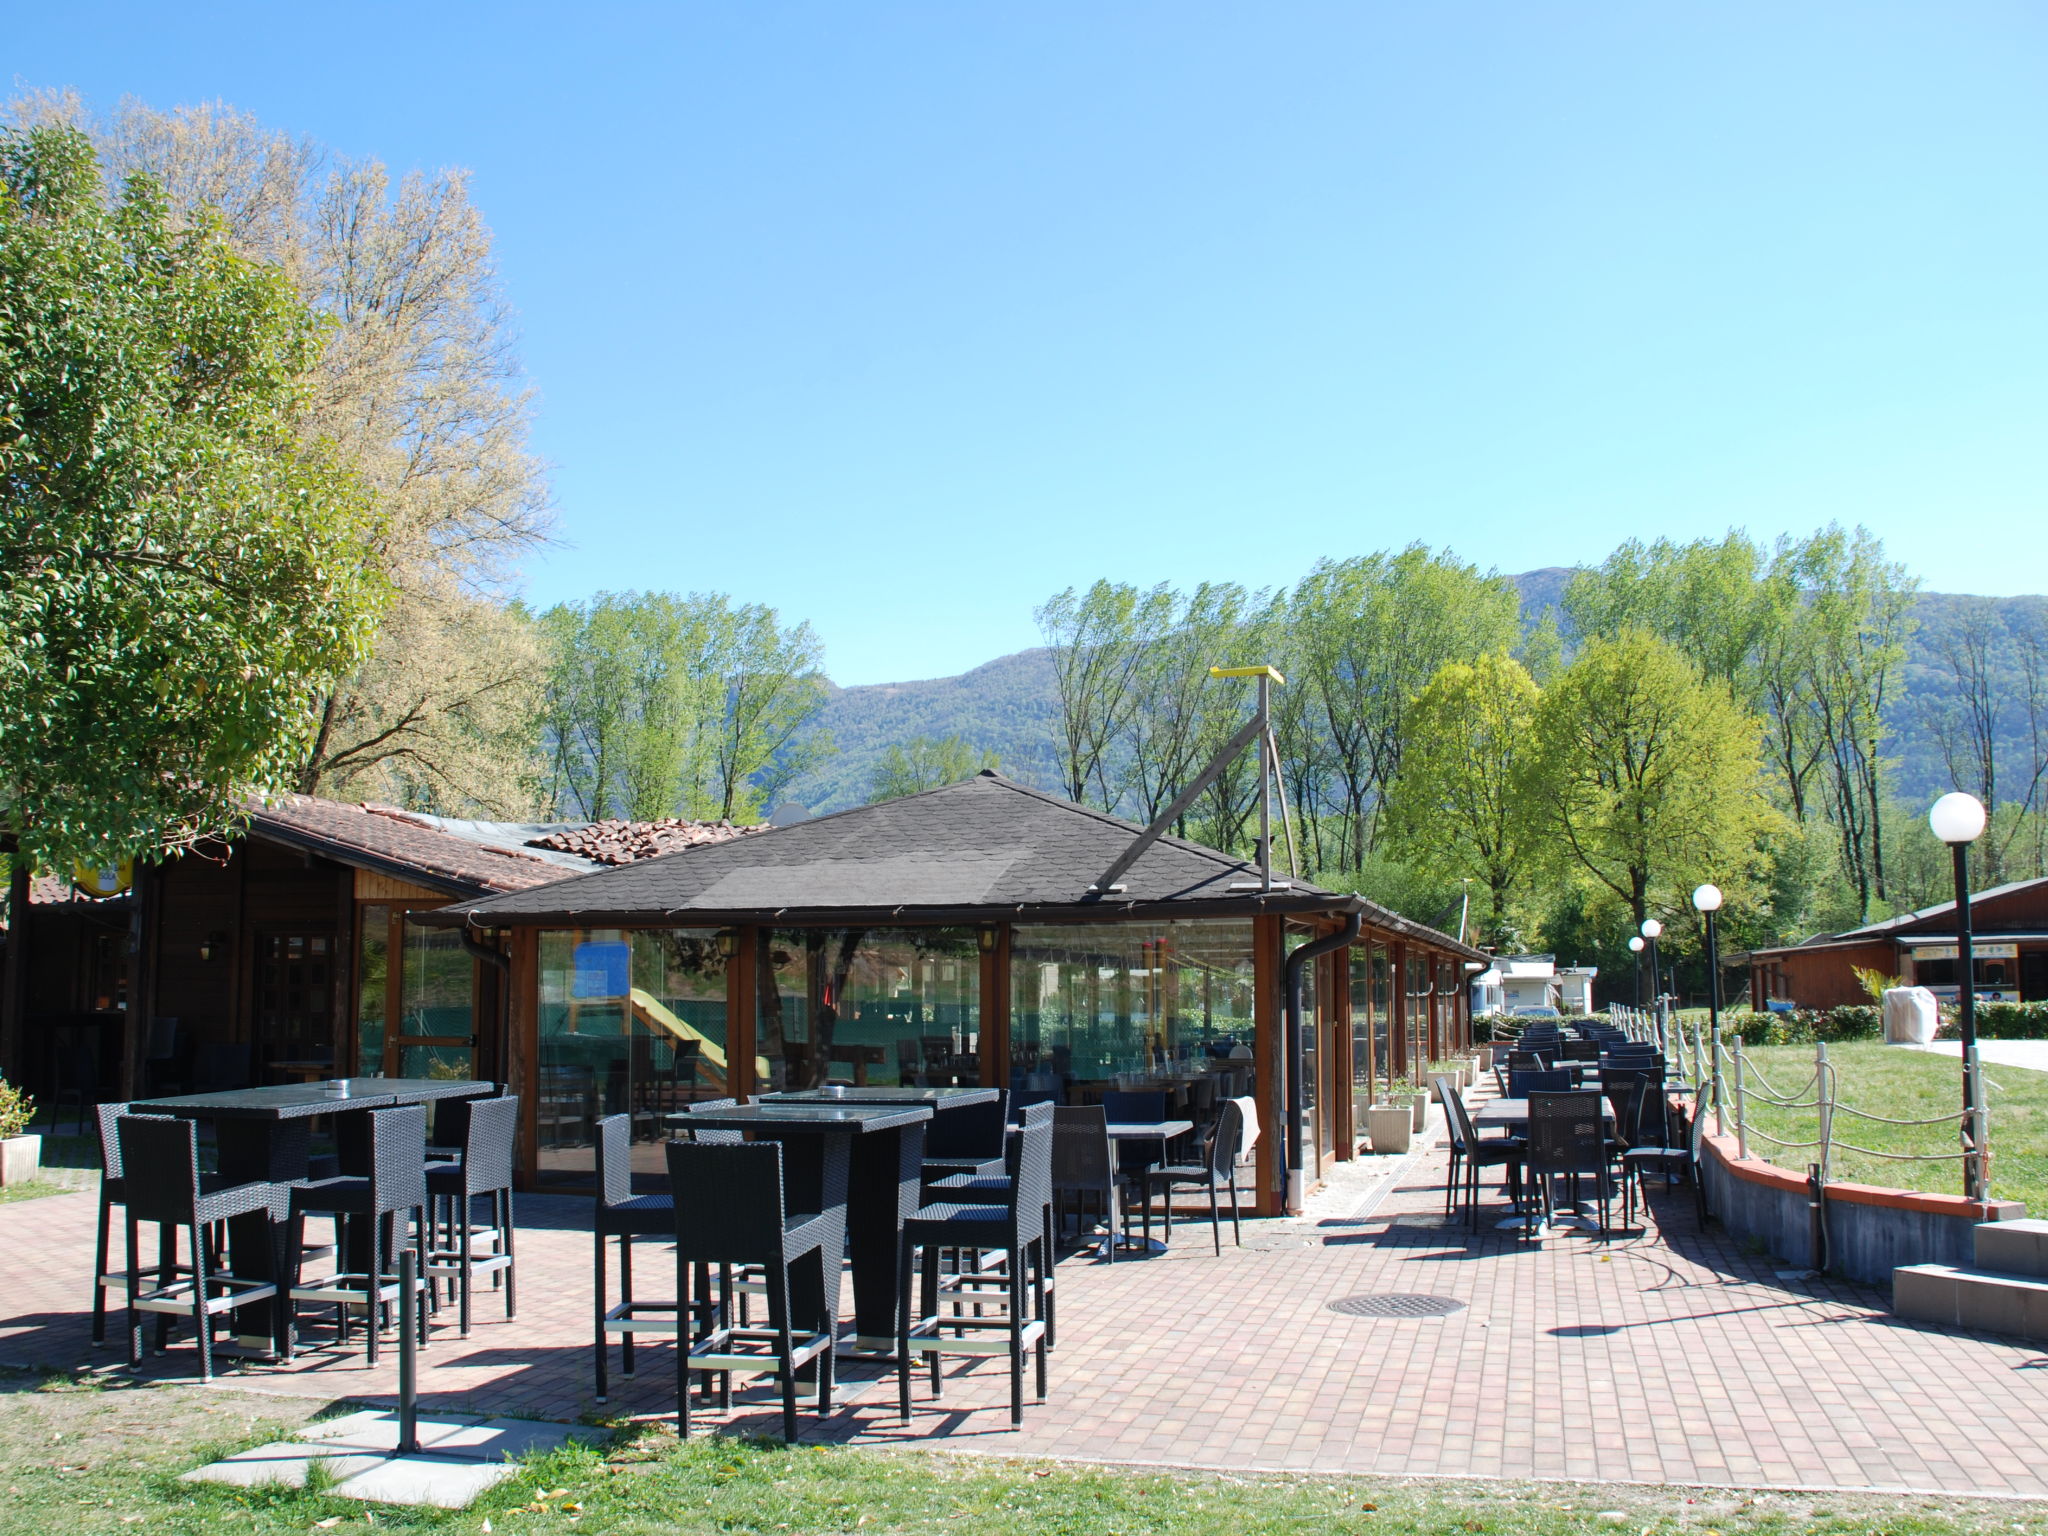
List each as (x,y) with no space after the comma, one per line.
(625,842)
(387,839)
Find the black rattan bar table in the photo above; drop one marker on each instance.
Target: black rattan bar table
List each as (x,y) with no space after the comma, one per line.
(265,1134)
(866,1158)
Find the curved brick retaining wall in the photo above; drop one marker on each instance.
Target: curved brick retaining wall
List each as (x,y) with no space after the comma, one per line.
(1871,1230)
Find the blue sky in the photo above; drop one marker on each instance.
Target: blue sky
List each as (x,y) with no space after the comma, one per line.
(902,317)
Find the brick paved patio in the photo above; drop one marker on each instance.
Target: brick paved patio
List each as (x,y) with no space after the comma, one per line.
(1660,1356)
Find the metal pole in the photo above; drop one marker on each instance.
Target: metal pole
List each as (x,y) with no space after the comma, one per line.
(408,1352)
(1966,1007)
(1265,783)
(1638,956)
(1825,1103)
(1714,1012)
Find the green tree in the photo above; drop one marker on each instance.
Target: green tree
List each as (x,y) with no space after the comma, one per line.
(418,390)
(181,574)
(925,762)
(1366,635)
(1098,640)
(658,703)
(1457,806)
(1643,777)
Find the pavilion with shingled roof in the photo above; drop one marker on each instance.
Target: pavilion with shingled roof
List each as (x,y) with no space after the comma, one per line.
(953,936)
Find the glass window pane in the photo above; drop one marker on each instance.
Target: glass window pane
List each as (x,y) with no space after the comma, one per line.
(1098,1007)
(436,984)
(632,1022)
(876,1006)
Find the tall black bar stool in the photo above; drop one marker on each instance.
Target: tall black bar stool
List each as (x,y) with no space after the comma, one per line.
(161,1183)
(483,1168)
(390,1203)
(731,1210)
(1010,1220)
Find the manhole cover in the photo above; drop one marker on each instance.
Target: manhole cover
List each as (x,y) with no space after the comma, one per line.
(1398,1305)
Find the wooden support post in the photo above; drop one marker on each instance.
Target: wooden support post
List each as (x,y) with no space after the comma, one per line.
(1397,1034)
(994,1047)
(741,1016)
(1337,1059)
(1269,1088)
(522,1045)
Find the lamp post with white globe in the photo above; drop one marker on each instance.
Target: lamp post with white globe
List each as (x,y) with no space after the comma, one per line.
(1706,900)
(1635,947)
(1958,820)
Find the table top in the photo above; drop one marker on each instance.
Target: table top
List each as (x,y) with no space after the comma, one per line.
(1148,1130)
(288,1101)
(1515,1112)
(823,1118)
(908,1093)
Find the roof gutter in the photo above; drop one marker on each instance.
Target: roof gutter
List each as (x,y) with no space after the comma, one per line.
(1297,1098)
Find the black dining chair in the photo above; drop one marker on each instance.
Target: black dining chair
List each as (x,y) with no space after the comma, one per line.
(731,1209)
(978,1274)
(484,1168)
(1471,1152)
(1010,1222)
(967,1139)
(1549,1080)
(111,1195)
(1567,1139)
(161,1183)
(1084,1173)
(624,1215)
(390,1202)
(1136,1107)
(1216,1172)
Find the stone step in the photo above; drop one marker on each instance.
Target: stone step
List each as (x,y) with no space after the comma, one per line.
(1987,1300)
(2013,1247)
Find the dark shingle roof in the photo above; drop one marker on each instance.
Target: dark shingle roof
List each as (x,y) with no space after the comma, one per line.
(985,848)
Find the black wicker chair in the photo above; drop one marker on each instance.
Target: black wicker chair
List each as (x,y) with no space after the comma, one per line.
(967,1140)
(484,1167)
(1549,1080)
(1216,1171)
(161,1183)
(1471,1152)
(384,1200)
(1567,1139)
(111,1195)
(977,1274)
(1084,1173)
(731,1210)
(624,1215)
(1010,1222)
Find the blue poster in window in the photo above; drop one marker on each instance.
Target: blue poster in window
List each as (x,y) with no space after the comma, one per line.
(601,970)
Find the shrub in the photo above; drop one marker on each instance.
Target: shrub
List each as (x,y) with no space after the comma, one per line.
(17,1109)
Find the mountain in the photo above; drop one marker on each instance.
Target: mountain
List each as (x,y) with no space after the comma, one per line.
(1010,706)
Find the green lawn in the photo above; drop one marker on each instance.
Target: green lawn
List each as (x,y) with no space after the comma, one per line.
(1908,1085)
(104,1461)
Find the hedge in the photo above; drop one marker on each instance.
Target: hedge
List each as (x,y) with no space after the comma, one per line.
(1864,1021)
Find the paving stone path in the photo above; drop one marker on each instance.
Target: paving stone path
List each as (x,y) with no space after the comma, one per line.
(1664,1355)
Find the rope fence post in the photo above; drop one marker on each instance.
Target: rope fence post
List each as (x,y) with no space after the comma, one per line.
(1979,1129)
(1741,1128)
(1823,1093)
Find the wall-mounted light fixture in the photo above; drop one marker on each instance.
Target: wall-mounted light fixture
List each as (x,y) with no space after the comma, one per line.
(728,942)
(213,945)
(988,940)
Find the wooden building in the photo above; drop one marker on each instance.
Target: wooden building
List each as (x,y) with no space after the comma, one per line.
(288,951)
(2010,935)
(952,936)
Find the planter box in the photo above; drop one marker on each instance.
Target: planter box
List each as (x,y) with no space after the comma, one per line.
(1390,1127)
(1418,1110)
(20,1159)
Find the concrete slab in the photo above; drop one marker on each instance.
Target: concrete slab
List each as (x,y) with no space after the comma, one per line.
(2014,1247)
(496,1439)
(284,1462)
(376,1429)
(446,1483)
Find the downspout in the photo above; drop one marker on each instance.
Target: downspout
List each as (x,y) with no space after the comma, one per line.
(1297,1098)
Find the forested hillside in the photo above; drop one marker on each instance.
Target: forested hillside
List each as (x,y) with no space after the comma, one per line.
(1008,706)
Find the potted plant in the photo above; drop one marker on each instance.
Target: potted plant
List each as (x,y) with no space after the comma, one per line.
(1411,1095)
(21,1154)
(1390,1126)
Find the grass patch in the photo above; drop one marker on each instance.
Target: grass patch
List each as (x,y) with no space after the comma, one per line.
(1907,1085)
(34,1189)
(104,1459)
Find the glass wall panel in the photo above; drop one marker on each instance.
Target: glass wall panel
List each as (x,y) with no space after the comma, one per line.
(632,1022)
(373,960)
(436,983)
(868,1006)
(1371,1009)
(1100,1006)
